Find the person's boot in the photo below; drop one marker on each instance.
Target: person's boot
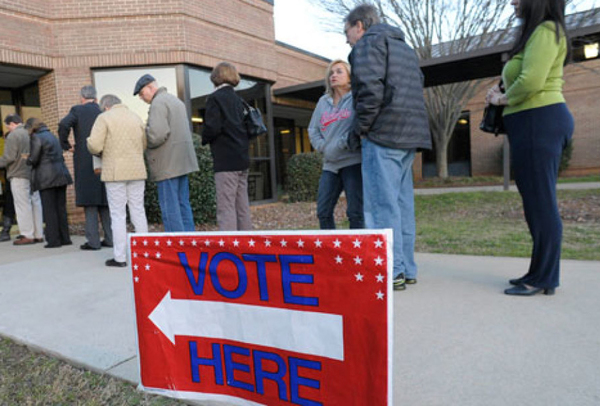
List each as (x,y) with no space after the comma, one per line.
(7,223)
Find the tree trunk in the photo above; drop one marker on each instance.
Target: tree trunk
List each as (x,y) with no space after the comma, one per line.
(441,159)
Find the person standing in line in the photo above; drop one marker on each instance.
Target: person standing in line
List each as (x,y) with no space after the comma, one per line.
(170,155)
(28,205)
(225,131)
(50,176)
(119,135)
(89,190)
(8,212)
(539,126)
(328,131)
(392,123)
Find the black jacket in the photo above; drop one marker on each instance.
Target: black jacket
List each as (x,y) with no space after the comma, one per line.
(387,87)
(225,131)
(49,169)
(89,190)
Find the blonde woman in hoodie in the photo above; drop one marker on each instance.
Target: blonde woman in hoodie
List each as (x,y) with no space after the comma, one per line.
(328,132)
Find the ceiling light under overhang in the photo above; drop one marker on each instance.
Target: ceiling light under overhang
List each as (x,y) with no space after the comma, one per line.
(590,50)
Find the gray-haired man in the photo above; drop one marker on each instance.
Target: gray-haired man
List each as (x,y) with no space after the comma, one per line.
(89,191)
(387,88)
(118,134)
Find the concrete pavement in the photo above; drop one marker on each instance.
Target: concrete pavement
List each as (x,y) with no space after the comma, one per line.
(458,340)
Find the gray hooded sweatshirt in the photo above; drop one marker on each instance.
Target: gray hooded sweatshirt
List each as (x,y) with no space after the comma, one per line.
(328,132)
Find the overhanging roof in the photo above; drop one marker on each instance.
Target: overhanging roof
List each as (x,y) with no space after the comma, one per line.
(12,77)
(311,91)
(480,63)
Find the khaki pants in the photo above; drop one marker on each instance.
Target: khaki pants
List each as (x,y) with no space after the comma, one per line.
(233,206)
(123,195)
(28,207)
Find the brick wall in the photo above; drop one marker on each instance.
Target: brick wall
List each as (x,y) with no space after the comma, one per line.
(582,86)
(581,89)
(294,67)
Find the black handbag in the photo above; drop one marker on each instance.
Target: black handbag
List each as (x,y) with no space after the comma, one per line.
(492,121)
(255,125)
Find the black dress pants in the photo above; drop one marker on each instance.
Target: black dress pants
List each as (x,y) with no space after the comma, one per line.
(8,209)
(54,207)
(537,138)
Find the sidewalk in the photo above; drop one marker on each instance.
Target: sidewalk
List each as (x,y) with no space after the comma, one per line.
(500,188)
(458,339)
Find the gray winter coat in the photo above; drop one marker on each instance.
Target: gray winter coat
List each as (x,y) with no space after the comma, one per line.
(387,87)
(170,150)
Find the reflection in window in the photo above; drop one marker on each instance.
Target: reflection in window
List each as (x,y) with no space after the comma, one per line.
(121,82)
(259,180)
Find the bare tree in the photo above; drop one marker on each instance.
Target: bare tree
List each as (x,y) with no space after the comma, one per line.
(437,28)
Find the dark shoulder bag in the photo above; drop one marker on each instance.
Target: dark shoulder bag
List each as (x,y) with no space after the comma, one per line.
(255,125)
(492,121)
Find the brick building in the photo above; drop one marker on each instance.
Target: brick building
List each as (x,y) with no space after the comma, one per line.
(49,49)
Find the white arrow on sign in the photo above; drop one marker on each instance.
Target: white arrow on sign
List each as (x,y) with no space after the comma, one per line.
(319,334)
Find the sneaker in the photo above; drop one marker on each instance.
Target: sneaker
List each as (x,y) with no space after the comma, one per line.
(112,262)
(399,282)
(411,281)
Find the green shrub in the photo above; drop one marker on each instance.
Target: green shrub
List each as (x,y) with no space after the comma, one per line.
(565,158)
(202,190)
(303,173)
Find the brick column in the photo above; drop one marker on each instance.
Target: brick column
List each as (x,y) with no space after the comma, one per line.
(59,90)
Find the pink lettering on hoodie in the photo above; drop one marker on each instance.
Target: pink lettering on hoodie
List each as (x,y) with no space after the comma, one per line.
(328,118)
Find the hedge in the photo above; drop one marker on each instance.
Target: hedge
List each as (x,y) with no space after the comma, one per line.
(303,174)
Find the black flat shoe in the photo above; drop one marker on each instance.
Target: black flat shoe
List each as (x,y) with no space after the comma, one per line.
(112,262)
(105,244)
(88,247)
(522,290)
(517,281)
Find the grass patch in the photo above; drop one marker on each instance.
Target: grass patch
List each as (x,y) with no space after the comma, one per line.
(31,378)
(492,223)
(460,181)
(577,179)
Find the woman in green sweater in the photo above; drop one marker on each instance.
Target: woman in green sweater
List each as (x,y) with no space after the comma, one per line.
(539,126)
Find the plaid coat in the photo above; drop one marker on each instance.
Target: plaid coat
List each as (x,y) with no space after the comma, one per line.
(387,87)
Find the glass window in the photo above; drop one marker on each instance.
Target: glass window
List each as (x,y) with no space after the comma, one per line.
(31,96)
(121,82)
(6,97)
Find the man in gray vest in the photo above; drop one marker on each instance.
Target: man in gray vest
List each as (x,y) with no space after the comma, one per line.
(89,190)
(170,155)
(392,123)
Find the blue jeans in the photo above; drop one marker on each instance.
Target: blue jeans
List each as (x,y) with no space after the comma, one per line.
(331,185)
(174,201)
(389,200)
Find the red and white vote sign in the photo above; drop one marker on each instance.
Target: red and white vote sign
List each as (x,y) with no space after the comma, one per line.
(290,318)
